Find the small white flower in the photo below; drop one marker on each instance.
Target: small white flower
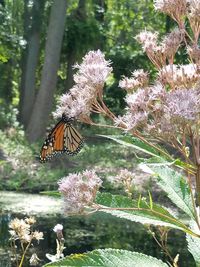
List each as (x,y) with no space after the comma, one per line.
(34,260)
(58,228)
(37,235)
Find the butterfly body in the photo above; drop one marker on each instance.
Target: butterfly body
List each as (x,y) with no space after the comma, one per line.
(63,138)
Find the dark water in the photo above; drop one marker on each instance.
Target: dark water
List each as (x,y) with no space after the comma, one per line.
(85,233)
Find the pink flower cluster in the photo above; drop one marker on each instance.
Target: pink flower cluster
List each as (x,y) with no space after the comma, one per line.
(139,78)
(89,81)
(157,52)
(175,8)
(182,76)
(79,190)
(170,103)
(159,111)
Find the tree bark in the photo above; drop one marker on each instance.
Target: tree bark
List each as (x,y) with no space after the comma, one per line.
(24,53)
(100,16)
(31,62)
(71,59)
(78,14)
(43,104)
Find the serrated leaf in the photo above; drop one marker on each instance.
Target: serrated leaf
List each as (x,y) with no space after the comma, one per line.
(109,258)
(194,246)
(176,188)
(123,207)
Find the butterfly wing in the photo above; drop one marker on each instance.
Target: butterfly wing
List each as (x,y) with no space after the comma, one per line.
(53,143)
(62,138)
(73,141)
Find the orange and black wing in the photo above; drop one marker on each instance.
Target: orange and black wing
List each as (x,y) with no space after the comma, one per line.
(53,143)
(62,139)
(73,141)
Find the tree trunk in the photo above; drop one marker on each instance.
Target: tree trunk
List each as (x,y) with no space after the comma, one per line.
(79,14)
(6,86)
(31,62)
(71,59)
(43,104)
(100,16)
(24,53)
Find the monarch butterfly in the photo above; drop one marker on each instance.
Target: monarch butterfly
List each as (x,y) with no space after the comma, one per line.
(63,138)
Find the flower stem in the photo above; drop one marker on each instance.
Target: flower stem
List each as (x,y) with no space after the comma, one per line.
(198,185)
(24,253)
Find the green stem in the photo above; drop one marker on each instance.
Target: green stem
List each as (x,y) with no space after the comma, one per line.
(198,185)
(154,146)
(24,253)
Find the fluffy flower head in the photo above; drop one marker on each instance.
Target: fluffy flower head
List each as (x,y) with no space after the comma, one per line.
(174,8)
(37,235)
(179,76)
(183,105)
(139,79)
(89,81)
(171,42)
(93,70)
(21,229)
(147,39)
(193,11)
(79,190)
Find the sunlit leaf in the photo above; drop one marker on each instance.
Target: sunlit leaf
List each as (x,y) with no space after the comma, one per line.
(109,258)
(176,186)
(139,145)
(194,245)
(124,207)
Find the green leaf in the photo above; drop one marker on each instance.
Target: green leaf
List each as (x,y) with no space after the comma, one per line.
(3,58)
(150,200)
(159,155)
(176,187)
(194,246)
(124,207)
(185,166)
(139,145)
(109,258)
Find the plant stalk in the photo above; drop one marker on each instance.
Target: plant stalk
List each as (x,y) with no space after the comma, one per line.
(198,185)
(24,253)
